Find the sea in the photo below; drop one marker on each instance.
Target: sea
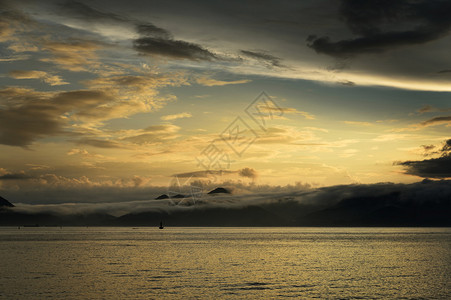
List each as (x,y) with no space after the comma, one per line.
(224,263)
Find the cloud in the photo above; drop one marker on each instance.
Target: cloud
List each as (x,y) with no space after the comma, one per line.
(287,135)
(175,49)
(369,20)
(157,41)
(317,129)
(107,144)
(436,121)
(204,174)
(133,94)
(149,29)
(14,58)
(12,21)
(74,55)
(28,115)
(84,153)
(20,125)
(88,13)
(153,40)
(248,172)
(92,15)
(152,134)
(14,176)
(44,76)
(270,110)
(176,116)
(357,123)
(272,60)
(346,83)
(37,167)
(426,108)
(245,172)
(383,204)
(213,82)
(429,150)
(21,46)
(392,137)
(430,108)
(431,168)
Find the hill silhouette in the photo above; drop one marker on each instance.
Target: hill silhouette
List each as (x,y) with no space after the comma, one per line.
(219,190)
(5,203)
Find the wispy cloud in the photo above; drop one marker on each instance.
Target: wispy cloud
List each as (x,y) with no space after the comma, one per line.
(357,123)
(269,59)
(270,110)
(151,134)
(33,74)
(206,81)
(176,116)
(74,55)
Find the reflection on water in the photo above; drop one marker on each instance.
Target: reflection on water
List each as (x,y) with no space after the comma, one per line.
(143,263)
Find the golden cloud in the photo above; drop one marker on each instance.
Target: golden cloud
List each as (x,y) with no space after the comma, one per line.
(206,81)
(33,74)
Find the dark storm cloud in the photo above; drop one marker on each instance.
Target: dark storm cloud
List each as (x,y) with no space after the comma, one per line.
(268,58)
(419,22)
(176,49)
(432,168)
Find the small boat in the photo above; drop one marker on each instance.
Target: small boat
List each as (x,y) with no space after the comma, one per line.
(161,225)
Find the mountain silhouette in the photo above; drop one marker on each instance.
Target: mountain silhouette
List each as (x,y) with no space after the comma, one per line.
(5,203)
(219,190)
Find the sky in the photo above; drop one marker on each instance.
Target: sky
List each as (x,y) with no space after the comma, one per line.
(122,100)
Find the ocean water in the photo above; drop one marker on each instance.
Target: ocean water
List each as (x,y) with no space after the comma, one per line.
(230,263)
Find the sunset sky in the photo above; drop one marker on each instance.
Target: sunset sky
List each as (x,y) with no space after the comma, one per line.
(128,94)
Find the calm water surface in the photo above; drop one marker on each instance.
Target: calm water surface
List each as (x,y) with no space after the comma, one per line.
(208,263)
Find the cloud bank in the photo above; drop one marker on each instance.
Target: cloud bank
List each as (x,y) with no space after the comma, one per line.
(410,23)
(422,203)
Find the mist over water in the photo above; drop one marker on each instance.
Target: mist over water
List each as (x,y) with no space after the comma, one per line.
(207,263)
